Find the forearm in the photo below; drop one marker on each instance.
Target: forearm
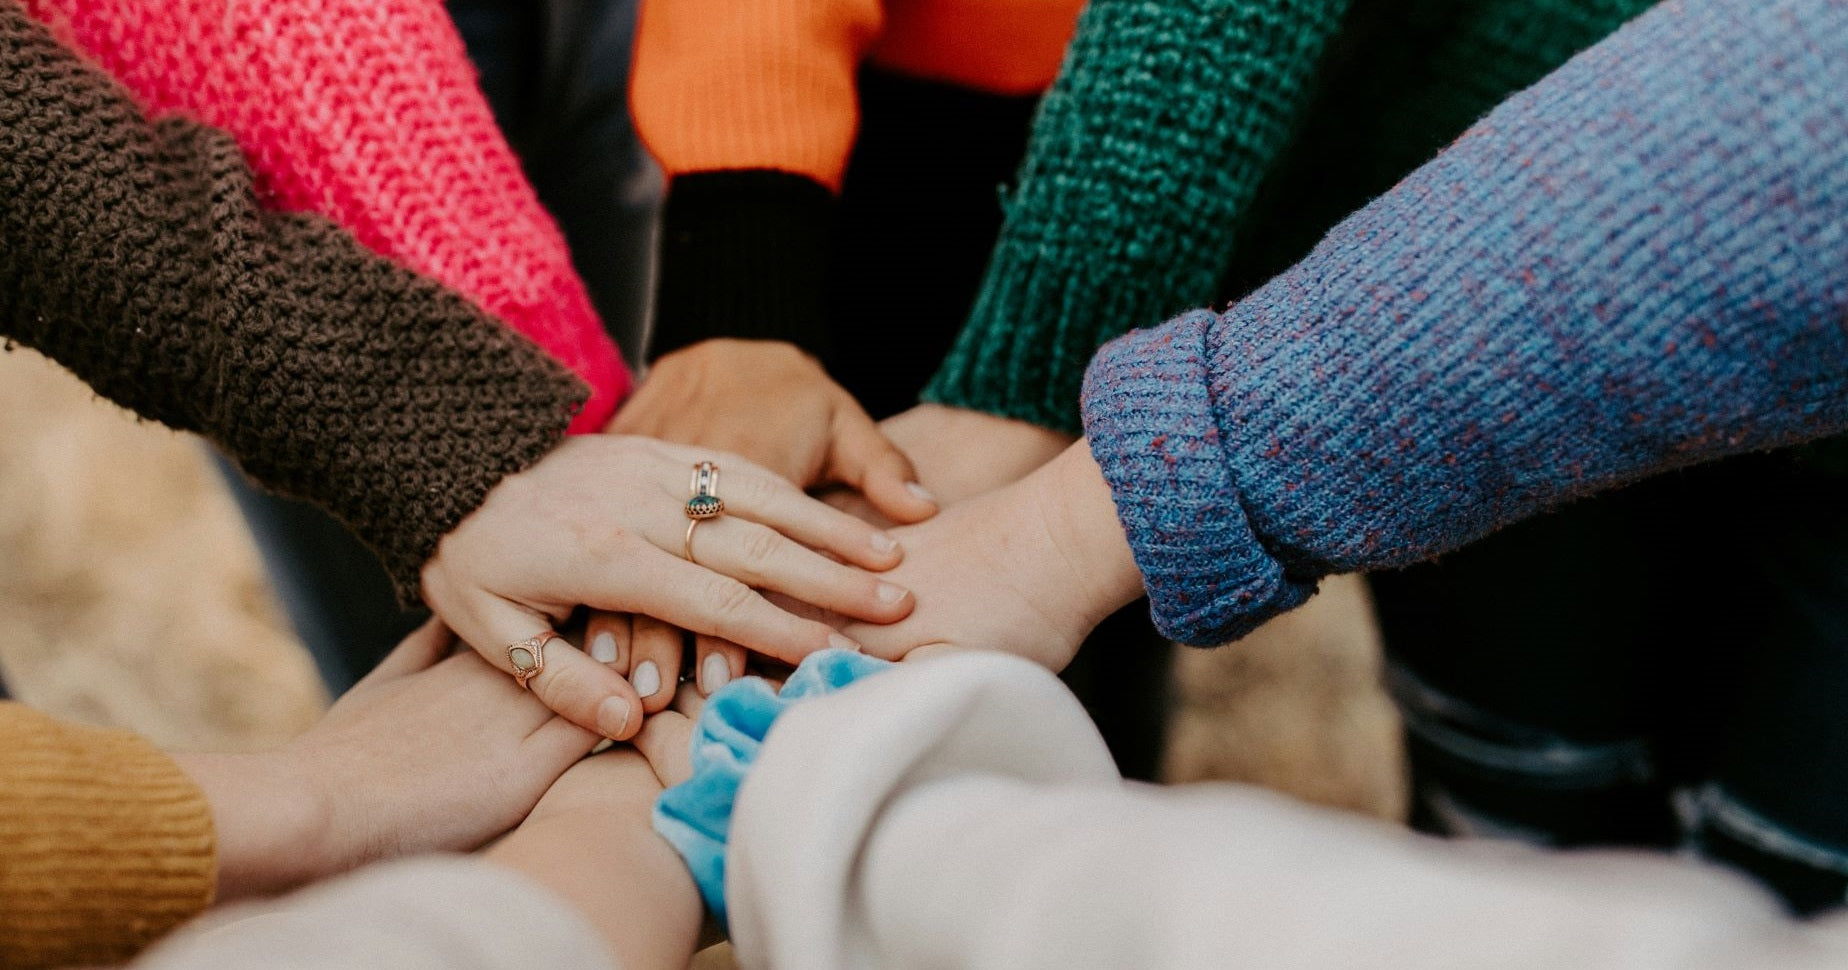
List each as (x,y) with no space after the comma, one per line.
(138,258)
(1635,265)
(270,826)
(1104,234)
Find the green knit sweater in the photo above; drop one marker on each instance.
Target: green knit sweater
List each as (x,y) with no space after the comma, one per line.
(1190,142)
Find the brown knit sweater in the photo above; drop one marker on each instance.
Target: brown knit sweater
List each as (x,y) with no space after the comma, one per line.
(136,255)
(105,844)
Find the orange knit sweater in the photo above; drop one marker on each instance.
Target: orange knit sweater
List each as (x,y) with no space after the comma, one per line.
(769,84)
(105,843)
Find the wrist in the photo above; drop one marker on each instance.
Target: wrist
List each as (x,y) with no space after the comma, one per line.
(1079,514)
(271,822)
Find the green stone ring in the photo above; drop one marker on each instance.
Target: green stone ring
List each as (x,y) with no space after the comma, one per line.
(704,506)
(704,487)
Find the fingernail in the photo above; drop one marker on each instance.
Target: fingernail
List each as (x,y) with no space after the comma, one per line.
(613,717)
(921,492)
(889,593)
(647,678)
(714,673)
(883,542)
(603,648)
(840,642)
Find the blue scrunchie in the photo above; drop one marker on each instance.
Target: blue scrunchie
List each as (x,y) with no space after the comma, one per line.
(695,815)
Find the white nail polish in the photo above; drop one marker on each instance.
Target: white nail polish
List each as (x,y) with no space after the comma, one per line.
(889,593)
(714,673)
(921,492)
(883,542)
(603,648)
(646,679)
(840,642)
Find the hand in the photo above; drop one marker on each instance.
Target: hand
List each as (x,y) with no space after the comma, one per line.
(960,453)
(600,522)
(424,754)
(591,841)
(1028,569)
(774,405)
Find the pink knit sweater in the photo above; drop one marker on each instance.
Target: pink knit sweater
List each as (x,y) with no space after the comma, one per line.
(367,112)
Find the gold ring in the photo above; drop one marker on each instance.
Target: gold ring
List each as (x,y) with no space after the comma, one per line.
(691,525)
(704,487)
(527,657)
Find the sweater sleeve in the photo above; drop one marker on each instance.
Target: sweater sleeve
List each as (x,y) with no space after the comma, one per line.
(105,844)
(136,255)
(963,812)
(1142,165)
(366,112)
(1637,264)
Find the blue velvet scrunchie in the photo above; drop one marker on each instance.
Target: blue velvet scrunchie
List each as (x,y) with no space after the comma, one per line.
(695,815)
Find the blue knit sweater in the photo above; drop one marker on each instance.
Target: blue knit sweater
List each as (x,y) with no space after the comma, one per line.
(1639,263)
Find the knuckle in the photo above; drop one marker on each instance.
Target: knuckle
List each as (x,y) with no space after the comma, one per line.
(730,599)
(760,547)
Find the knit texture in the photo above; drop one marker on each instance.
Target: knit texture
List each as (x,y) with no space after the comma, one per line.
(366,112)
(1639,263)
(1157,132)
(105,844)
(137,255)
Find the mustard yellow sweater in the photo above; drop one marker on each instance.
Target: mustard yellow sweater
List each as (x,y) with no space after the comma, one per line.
(105,843)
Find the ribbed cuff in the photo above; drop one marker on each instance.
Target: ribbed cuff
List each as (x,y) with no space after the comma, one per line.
(105,843)
(744,254)
(1146,400)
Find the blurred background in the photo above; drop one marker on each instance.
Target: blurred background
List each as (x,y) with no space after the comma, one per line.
(131,595)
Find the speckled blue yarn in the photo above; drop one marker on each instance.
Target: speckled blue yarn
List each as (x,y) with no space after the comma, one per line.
(695,815)
(1639,263)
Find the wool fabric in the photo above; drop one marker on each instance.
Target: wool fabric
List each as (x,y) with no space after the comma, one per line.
(1637,264)
(1168,152)
(105,843)
(366,112)
(136,254)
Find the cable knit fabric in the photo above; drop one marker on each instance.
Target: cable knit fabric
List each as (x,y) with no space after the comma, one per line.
(105,843)
(366,112)
(1639,263)
(695,815)
(136,255)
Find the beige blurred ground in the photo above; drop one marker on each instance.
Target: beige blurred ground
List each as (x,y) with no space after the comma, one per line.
(130,595)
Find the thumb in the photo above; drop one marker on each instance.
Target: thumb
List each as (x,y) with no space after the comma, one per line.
(864,459)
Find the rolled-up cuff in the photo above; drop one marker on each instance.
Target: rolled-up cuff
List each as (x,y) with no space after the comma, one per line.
(1148,417)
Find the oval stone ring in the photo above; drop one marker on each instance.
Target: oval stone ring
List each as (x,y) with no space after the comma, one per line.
(705,502)
(527,657)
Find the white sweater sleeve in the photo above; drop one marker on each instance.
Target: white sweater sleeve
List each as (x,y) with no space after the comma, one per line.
(962,812)
(433,913)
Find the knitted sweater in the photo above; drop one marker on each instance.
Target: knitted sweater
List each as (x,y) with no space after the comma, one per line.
(1142,180)
(752,106)
(366,112)
(136,255)
(1639,263)
(105,844)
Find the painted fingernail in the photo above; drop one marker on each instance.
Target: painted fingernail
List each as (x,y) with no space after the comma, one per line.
(613,717)
(840,642)
(921,492)
(883,542)
(889,593)
(603,648)
(647,678)
(714,673)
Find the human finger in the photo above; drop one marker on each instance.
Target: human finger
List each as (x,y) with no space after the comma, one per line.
(720,662)
(866,460)
(664,741)
(420,651)
(755,494)
(577,688)
(764,558)
(606,639)
(654,669)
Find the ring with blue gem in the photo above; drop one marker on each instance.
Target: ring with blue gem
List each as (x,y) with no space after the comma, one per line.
(705,502)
